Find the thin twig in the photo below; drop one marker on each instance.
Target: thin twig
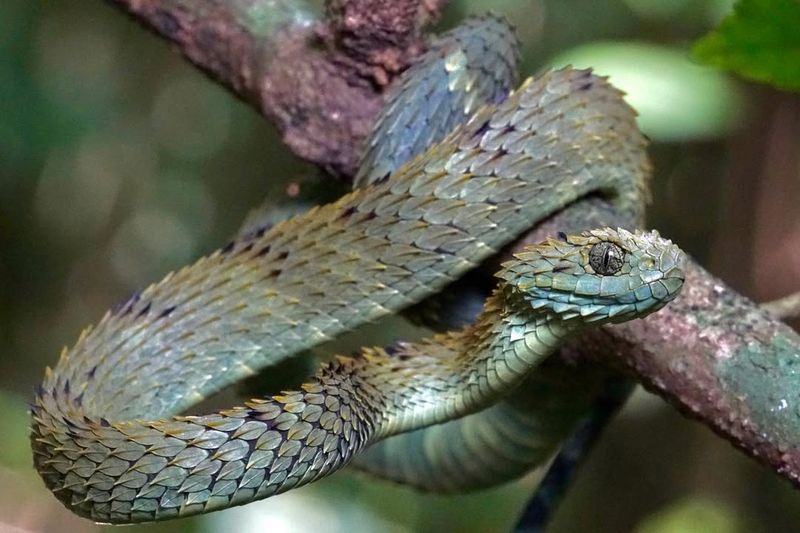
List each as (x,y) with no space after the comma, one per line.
(785,308)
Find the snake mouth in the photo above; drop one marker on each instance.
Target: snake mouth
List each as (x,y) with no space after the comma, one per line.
(673,281)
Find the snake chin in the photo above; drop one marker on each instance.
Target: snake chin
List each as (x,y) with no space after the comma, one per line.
(599,276)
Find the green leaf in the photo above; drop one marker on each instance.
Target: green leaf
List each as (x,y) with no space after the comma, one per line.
(760,40)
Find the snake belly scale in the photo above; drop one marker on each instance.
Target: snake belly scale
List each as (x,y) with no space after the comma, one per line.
(106,435)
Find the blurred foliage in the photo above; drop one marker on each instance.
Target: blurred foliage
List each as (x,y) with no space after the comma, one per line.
(119,162)
(760,41)
(696,515)
(676,99)
(14,448)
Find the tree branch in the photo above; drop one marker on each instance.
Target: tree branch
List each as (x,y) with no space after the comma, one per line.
(319,82)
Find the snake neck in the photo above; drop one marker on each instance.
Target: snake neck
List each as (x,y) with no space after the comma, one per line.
(508,341)
(456,374)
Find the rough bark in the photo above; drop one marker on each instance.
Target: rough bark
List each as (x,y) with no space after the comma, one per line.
(320,81)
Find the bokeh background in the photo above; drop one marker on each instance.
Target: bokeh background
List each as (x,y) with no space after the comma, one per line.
(119,162)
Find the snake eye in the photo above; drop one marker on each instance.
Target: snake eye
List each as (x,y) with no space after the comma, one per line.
(606,258)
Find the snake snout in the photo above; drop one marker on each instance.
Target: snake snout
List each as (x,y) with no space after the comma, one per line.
(670,264)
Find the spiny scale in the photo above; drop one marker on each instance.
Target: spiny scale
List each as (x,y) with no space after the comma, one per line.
(466,67)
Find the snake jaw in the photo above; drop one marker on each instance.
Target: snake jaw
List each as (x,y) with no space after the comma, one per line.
(565,278)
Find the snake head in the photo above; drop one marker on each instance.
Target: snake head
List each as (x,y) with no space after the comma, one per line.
(603,275)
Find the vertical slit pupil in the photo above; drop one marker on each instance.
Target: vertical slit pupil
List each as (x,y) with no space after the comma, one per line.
(606,258)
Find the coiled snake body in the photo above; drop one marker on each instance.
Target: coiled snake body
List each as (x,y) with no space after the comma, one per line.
(105,434)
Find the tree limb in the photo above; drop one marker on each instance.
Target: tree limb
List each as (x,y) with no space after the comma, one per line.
(319,82)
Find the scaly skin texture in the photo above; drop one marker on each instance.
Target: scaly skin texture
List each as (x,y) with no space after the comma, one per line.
(467,67)
(135,470)
(276,291)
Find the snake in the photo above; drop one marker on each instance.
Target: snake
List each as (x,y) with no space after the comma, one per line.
(457,166)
